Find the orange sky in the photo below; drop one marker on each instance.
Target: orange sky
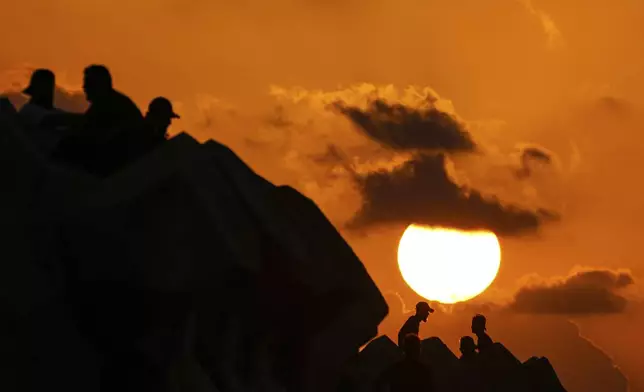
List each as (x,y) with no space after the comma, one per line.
(515,71)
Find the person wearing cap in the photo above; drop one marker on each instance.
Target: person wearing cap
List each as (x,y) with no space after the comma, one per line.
(412,325)
(41,97)
(159,117)
(39,109)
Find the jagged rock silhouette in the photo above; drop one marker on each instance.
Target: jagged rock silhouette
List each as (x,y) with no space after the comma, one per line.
(185,271)
(499,372)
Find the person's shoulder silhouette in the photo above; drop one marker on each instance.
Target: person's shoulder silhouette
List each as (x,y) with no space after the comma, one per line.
(108,107)
(410,374)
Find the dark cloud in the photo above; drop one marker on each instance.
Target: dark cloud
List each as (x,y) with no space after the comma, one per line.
(404,128)
(279,119)
(535,153)
(584,292)
(531,155)
(421,191)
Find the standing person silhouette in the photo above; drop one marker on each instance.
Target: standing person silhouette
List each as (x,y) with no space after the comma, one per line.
(412,325)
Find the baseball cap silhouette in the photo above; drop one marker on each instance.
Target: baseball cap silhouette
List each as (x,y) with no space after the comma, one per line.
(424,306)
(41,80)
(162,106)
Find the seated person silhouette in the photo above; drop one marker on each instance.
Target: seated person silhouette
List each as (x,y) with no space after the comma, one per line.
(470,370)
(484,343)
(408,375)
(159,117)
(412,325)
(157,121)
(108,108)
(41,97)
(103,141)
(44,123)
(467,349)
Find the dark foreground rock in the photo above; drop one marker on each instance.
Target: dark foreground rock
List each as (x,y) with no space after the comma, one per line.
(185,271)
(497,371)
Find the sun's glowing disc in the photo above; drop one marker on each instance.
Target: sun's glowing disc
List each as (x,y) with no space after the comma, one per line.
(447,265)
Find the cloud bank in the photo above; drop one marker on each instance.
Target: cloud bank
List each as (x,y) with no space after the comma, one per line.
(583,292)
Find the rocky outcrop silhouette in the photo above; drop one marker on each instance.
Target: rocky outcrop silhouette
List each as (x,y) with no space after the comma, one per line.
(185,271)
(498,370)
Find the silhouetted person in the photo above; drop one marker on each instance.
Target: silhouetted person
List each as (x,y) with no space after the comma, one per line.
(471,374)
(467,349)
(41,98)
(105,139)
(108,108)
(40,91)
(155,131)
(44,123)
(159,117)
(410,374)
(478,328)
(412,325)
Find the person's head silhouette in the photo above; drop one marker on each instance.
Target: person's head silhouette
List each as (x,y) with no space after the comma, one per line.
(467,346)
(423,310)
(411,346)
(41,87)
(160,113)
(478,324)
(97,82)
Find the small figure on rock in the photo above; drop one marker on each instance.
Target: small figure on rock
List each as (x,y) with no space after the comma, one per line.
(410,374)
(412,325)
(479,329)
(467,349)
(159,117)
(471,374)
(155,131)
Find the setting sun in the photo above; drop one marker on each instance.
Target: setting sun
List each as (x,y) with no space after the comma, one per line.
(447,265)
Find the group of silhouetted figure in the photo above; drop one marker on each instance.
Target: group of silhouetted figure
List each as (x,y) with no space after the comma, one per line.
(111,134)
(477,363)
